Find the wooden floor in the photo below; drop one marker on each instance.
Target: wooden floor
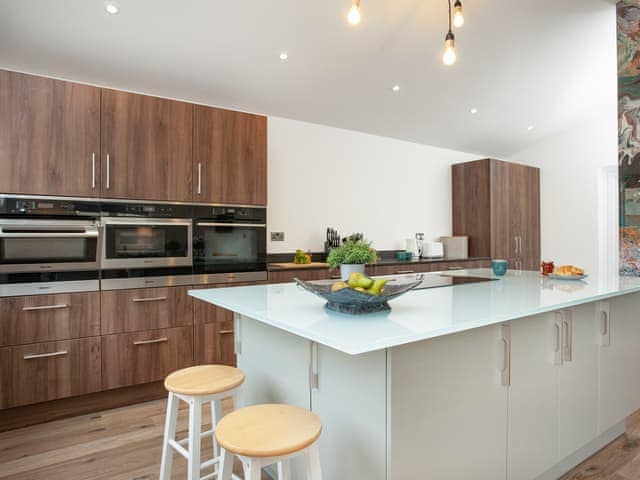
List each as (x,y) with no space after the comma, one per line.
(125,444)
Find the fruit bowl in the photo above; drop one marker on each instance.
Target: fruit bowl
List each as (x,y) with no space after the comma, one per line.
(351,301)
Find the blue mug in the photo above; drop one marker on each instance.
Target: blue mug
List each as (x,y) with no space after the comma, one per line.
(499,267)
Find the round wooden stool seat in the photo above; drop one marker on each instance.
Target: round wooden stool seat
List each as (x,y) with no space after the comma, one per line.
(204,380)
(268,430)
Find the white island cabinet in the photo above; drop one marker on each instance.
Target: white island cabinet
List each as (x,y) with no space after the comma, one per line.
(519,378)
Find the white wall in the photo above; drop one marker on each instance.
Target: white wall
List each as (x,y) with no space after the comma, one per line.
(388,189)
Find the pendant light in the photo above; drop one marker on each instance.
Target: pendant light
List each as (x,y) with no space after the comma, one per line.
(458,17)
(353,17)
(449,56)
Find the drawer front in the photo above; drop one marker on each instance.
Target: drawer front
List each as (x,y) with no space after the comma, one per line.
(143,357)
(44,318)
(145,309)
(286,276)
(49,371)
(213,334)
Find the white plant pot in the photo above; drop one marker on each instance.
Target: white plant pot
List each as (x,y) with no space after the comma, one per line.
(346,270)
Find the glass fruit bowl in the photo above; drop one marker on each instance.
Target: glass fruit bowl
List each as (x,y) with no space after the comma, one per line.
(354,302)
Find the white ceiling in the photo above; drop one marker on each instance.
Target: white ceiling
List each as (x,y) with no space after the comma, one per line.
(520,62)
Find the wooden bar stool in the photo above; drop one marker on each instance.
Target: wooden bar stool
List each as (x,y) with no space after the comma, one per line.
(262,435)
(196,386)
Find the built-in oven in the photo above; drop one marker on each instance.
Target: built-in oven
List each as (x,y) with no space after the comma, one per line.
(146,245)
(229,244)
(48,245)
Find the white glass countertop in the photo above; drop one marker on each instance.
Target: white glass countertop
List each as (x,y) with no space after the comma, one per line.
(417,315)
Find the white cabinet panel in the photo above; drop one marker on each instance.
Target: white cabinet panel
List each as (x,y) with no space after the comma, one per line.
(533,398)
(578,381)
(448,409)
(619,360)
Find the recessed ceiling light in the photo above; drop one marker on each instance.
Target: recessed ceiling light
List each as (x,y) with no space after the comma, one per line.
(396,88)
(531,127)
(284,55)
(473,111)
(111,7)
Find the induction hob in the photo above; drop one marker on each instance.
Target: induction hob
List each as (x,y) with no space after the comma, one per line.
(440,280)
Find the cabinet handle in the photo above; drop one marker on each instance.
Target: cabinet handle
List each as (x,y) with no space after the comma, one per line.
(93,170)
(515,239)
(225,332)
(313,365)
(605,323)
(150,299)
(455,268)
(199,178)
(403,272)
(567,325)
(45,307)
(519,244)
(505,373)
(557,350)
(45,355)
(108,172)
(147,342)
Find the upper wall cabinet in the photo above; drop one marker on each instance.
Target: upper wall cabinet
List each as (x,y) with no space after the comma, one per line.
(49,136)
(230,157)
(146,147)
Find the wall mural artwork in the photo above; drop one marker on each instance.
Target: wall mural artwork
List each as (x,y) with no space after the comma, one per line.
(629,134)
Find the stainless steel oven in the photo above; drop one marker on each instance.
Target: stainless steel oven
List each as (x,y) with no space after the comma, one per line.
(146,242)
(230,244)
(48,245)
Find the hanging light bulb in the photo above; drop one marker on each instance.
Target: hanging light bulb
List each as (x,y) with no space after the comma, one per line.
(458,18)
(354,13)
(449,56)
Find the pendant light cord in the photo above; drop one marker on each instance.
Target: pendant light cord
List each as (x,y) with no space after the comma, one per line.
(449,11)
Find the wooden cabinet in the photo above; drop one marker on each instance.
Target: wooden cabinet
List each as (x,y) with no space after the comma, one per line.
(142,357)
(146,147)
(145,309)
(43,318)
(213,335)
(497,205)
(48,371)
(619,356)
(49,136)
(230,157)
(305,274)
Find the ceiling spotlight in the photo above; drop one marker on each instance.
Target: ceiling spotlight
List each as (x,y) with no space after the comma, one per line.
(111,7)
(284,55)
(473,111)
(449,56)
(458,18)
(354,13)
(531,127)
(396,88)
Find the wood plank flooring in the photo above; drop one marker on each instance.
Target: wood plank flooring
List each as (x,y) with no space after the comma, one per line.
(125,444)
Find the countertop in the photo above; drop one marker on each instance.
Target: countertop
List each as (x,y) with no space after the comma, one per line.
(390,261)
(417,315)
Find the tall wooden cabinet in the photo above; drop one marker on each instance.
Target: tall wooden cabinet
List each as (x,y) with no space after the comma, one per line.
(146,147)
(497,205)
(230,157)
(49,136)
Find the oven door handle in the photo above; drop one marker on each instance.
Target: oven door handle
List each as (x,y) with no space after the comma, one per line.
(86,234)
(235,225)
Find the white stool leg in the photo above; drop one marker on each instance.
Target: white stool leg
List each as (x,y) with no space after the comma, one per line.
(216,415)
(226,465)
(254,472)
(284,470)
(195,418)
(313,463)
(169,434)
(237,399)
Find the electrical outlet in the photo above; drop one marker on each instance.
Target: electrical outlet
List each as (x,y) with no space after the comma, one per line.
(277,236)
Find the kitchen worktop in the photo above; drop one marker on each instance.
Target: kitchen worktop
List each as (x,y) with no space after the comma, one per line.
(417,315)
(277,266)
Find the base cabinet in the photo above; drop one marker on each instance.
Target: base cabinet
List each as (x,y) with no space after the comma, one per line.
(143,357)
(49,371)
(213,335)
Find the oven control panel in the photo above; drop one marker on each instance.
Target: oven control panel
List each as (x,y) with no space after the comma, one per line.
(16,206)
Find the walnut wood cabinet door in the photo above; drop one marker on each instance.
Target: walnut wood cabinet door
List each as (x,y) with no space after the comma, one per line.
(143,357)
(48,371)
(49,136)
(230,157)
(146,147)
(213,335)
(43,318)
(145,309)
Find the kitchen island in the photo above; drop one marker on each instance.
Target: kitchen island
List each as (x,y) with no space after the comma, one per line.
(518,378)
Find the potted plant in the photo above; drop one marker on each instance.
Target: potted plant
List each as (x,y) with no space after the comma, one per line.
(351,256)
